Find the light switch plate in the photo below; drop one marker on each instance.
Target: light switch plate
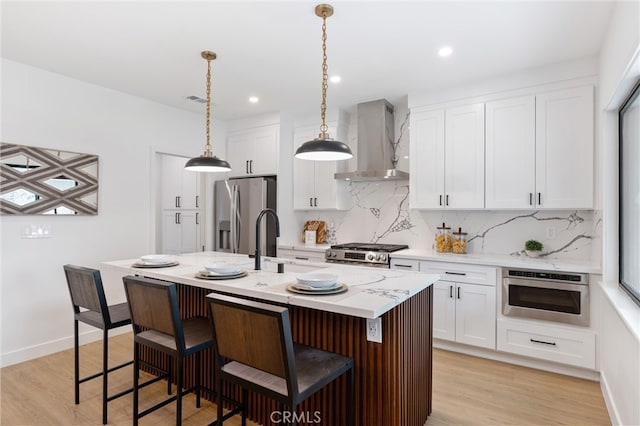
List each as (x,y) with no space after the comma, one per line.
(36,231)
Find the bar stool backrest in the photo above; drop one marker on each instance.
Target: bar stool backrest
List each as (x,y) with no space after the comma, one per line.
(86,290)
(153,305)
(255,334)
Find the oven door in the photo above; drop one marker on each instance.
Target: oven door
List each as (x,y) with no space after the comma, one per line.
(551,301)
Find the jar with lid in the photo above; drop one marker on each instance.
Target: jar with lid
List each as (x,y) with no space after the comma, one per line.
(443,239)
(459,244)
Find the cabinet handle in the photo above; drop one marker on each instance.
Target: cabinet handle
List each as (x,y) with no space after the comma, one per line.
(177,218)
(197,218)
(451,291)
(446,199)
(400,265)
(455,273)
(543,342)
(310,201)
(177,201)
(531,198)
(440,199)
(315,202)
(539,198)
(301,258)
(251,166)
(197,201)
(246,167)
(458,292)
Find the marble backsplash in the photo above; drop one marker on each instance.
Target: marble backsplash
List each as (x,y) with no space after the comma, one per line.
(380,213)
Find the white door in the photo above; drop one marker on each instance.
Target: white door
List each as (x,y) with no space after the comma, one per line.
(464,157)
(444,310)
(510,153)
(426,163)
(564,148)
(263,156)
(171,232)
(171,168)
(190,230)
(476,315)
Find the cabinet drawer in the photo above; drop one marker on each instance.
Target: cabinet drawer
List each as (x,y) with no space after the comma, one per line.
(461,273)
(559,344)
(405,264)
(299,254)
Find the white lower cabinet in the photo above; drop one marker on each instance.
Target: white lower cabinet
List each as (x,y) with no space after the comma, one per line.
(180,231)
(464,303)
(299,253)
(550,342)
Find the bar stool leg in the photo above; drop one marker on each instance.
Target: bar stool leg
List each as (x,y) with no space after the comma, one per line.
(169,365)
(197,379)
(179,392)
(136,365)
(245,395)
(350,397)
(219,399)
(76,357)
(105,375)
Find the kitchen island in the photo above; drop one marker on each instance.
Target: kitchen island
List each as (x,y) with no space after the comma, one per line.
(393,378)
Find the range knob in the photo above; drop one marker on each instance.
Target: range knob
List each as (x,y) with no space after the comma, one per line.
(371,256)
(382,257)
(331,254)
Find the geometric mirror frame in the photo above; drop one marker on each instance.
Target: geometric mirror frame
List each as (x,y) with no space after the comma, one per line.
(41,181)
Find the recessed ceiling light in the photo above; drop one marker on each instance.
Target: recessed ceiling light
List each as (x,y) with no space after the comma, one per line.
(445,51)
(335,79)
(254,99)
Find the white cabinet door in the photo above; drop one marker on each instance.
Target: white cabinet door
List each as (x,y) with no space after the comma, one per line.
(564,148)
(476,315)
(426,163)
(180,231)
(444,310)
(464,157)
(253,151)
(510,153)
(179,187)
(314,185)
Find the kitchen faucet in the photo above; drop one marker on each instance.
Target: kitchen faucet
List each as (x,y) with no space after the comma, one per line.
(258,244)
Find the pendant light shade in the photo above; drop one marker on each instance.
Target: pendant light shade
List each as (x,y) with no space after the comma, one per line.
(208,162)
(323,148)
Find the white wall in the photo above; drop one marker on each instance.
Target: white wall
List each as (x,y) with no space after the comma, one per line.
(48,110)
(619,331)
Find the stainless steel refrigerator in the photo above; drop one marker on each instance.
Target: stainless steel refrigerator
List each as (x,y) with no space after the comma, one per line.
(238,202)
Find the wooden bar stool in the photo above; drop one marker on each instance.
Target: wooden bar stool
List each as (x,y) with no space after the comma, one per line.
(254,349)
(90,307)
(157,324)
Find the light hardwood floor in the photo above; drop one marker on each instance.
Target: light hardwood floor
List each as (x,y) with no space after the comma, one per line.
(466,391)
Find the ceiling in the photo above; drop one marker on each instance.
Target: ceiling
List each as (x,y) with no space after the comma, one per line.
(272,50)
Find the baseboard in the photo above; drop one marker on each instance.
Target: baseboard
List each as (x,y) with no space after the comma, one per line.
(518,360)
(53,346)
(608,400)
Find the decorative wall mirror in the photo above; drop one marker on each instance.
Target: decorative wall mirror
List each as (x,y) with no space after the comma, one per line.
(39,181)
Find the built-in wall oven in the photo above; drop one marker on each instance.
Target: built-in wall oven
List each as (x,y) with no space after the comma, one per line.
(552,296)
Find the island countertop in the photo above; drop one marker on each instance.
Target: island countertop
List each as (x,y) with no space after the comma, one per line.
(371,293)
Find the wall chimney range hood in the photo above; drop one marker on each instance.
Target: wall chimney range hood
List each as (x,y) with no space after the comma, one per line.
(376,158)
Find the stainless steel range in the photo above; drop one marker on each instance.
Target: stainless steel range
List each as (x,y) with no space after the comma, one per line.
(364,254)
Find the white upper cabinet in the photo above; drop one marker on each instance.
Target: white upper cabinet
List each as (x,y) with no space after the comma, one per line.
(511,152)
(314,186)
(564,149)
(540,151)
(447,158)
(253,151)
(179,187)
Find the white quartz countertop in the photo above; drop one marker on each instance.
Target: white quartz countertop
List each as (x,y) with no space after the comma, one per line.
(372,291)
(505,261)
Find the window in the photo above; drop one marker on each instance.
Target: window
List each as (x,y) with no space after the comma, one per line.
(630,195)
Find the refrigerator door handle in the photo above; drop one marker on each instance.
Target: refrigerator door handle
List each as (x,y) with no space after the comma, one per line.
(237,219)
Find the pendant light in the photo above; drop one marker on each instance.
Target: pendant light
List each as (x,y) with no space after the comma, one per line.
(208,162)
(323,148)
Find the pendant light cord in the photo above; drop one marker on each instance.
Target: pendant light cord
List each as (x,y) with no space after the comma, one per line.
(323,106)
(207,152)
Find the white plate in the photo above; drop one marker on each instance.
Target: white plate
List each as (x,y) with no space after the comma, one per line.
(318,279)
(301,286)
(223,268)
(156,259)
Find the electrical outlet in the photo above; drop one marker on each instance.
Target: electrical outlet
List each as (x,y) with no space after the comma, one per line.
(551,232)
(374,330)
